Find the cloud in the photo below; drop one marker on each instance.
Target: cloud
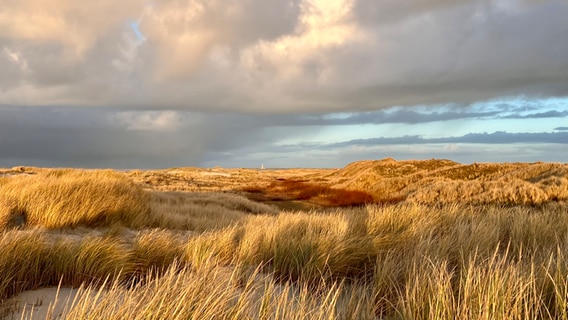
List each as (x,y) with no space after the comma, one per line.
(105,137)
(499,137)
(185,34)
(286,56)
(172,82)
(85,138)
(149,121)
(409,116)
(387,116)
(71,26)
(539,115)
(116,138)
(561,129)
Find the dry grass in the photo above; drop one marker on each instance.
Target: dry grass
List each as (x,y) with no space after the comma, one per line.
(216,179)
(201,212)
(443,181)
(388,181)
(70,198)
(208,293)
(157,255)
(398,262)
(57,199)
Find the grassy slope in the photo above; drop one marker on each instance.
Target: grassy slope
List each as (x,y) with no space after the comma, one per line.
(444,181)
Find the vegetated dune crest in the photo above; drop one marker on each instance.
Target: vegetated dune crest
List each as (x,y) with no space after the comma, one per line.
(134,239)
(444,181)
(435,181)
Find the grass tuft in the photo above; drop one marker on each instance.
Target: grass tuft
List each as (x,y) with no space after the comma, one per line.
(70,198)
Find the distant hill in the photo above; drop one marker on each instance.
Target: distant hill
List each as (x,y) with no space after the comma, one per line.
(444,181)
(388,181)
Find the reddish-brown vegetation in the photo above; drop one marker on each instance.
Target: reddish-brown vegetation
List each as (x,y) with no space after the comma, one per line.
(319,194)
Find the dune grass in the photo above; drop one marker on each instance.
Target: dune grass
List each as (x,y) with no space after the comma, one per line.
(207,293)
(68,198)
(441,181)
(398,262)
(201,212)
(220,256)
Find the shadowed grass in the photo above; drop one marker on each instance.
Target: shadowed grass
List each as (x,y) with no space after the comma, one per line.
(202,211)
(33,259)
(207,293)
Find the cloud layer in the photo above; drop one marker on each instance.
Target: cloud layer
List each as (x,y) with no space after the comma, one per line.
(108,137)
(280,57)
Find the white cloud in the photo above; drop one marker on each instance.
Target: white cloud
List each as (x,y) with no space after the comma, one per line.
(280,56)
(76,26)
(18,64)
(284,69)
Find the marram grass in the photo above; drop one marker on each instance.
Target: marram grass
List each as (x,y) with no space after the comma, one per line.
(71,198)
(379,262)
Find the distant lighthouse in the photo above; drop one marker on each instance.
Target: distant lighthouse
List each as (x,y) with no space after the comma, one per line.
(262,166)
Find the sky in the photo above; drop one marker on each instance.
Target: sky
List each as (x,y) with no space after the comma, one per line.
(284,83)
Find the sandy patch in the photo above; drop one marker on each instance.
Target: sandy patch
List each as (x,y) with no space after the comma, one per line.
(45,303)
(218,174)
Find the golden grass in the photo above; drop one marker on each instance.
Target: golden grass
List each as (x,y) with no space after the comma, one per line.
(399,262)
(70,198)
(221,256)
(207,293)
(443,181)
(57,199)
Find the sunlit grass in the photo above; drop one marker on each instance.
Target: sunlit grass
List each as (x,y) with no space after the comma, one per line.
(221,256)
(445,182)
(70,198)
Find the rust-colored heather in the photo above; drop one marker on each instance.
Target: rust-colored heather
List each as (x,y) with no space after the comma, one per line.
(317,193)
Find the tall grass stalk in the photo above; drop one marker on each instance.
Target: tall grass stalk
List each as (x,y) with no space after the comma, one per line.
(397,262)
(69,198)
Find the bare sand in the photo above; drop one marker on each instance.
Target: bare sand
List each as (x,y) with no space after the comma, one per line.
(45,303)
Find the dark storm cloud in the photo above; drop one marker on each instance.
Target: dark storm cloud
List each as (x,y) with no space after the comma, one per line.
(539,115)
(86,139)
(472,138)
(396,115)
(104,137)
